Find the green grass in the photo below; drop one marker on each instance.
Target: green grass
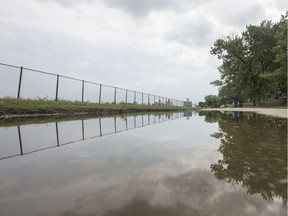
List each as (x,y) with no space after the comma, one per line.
(275,103)
(10,106)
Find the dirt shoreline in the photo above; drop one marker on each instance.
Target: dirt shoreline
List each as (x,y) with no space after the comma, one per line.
(280,113)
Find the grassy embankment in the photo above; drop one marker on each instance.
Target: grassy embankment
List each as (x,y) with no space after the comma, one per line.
(47,107)
(275,103)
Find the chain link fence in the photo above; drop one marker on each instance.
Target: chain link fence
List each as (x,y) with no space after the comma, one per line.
(25,83)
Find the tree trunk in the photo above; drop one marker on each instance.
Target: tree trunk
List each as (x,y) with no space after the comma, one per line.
(258,99)
(253,102)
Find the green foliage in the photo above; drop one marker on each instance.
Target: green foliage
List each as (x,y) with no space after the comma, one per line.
(254,64)
(212,101)
(279,74)
(201,104)
(254,150)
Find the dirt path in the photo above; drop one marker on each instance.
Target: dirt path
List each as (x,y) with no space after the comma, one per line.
(281,113)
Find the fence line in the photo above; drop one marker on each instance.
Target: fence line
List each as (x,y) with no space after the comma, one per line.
(143,98)
(116,125)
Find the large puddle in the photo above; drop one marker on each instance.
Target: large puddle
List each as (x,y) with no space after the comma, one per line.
(188,164)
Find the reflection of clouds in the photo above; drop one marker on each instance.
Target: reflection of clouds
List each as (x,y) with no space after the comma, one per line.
(142,207)
(193,187)
(193,193)
(200,191)
(122,172)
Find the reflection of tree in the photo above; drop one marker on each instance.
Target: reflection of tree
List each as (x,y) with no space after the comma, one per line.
(210,116)
(254,152)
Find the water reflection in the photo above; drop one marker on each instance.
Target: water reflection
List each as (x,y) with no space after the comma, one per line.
(254,150)
(39,137)
(159,170)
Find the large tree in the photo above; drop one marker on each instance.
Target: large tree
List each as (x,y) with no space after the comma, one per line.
(254,150)
(279,74)
(249,60)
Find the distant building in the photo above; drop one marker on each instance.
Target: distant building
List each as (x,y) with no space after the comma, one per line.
(187,103)
(187,114)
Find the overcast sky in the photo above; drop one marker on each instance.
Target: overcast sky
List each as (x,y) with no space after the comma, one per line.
(155,46)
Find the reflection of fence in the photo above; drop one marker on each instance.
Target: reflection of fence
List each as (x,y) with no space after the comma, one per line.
(19,82)
(27,139)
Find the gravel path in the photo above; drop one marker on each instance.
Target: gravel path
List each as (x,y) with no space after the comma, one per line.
(281,113)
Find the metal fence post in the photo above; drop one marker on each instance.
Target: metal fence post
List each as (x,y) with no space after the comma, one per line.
(115,124)
(134,97)
(20,140)
(142,99)
(57,87)
(115,95)
(100,91)
(83,130)
(20,81)
(83,90)
(100,127)
(57,134)
(126,96)
(148,99)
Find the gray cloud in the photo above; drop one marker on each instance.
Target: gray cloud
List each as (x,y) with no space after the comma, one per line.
(68,3)
(195,32)
(138,8)
(143,8)
(142,70)
(280,4)
(235,14)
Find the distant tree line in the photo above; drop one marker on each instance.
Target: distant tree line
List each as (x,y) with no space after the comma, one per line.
(254,64)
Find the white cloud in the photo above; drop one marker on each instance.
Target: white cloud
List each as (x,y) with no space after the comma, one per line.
(192,31)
